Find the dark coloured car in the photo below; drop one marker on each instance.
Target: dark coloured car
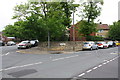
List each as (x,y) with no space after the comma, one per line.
(2,43)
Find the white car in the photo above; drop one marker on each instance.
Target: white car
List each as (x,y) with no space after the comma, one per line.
(24,44)
(10,43)
(89,45)
(102,45)
(34,42)
(111,43)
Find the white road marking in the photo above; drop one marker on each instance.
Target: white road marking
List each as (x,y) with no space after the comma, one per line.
(6,54)
(99,65)
(72,56)
(89,71)
(111,60)
(81,74)
(57,59)
(64,58)
(95,67)
(107,61)
(104,63)
(21,66)
(0,70)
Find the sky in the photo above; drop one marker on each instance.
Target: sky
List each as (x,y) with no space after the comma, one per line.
(109,13)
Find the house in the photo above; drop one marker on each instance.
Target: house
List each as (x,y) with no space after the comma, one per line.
(75,36)
(103,30)
(4,38)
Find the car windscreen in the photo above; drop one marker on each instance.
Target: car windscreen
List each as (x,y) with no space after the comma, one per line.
(86,43)
(24,42)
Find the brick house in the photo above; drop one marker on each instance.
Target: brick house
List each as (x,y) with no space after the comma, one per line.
(102,31)
(4,38)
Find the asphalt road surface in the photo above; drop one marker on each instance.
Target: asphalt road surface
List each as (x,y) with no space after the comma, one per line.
(74,65)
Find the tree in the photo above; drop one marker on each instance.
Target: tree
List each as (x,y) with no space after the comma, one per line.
(86,28)
(90,11)
(114,32)
(68,8)
(36,20)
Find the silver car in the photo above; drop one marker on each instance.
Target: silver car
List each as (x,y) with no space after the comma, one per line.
(89,45)
(10,43)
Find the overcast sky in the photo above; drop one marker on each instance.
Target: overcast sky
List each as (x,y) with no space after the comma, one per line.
(109,13)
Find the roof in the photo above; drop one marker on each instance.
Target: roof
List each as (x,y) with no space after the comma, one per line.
(103,26)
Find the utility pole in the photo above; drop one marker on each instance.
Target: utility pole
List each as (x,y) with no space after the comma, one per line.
(48,39)
(73,26)
(73,29)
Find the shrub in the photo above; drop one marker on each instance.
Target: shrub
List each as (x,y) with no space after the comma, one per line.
(94,38)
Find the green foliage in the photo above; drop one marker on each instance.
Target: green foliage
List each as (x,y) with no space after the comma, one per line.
(86,28)
(94,38)
(114,32)
(68,8)
(35,20)
(90,11)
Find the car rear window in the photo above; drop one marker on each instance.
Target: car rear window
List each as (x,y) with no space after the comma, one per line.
(24,42)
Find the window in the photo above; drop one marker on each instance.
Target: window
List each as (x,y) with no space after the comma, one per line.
(100,30)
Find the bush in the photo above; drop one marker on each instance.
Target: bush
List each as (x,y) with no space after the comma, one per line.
(94,38)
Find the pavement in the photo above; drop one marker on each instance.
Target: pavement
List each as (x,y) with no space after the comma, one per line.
(36,50)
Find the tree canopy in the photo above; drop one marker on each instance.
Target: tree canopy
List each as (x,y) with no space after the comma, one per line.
(114,32)
(90,11)
(36,19)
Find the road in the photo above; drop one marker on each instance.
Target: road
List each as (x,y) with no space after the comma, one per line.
(18,65)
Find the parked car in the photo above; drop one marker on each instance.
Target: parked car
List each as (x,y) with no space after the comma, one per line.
(111,43)
(24,44)
(10,43)
(90,45)
(34,43)
(2,43)
(102,45)
(117,43)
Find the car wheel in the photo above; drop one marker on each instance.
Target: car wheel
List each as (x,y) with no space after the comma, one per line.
(91,48)
(30,46)
(27,47)
(97,48)
(103,47)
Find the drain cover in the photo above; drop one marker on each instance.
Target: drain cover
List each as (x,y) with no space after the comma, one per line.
(22,73)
